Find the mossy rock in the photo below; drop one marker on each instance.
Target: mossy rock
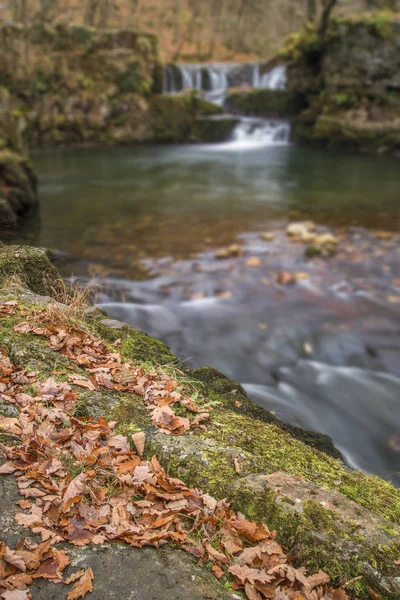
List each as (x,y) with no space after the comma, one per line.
(265,103)
(17,178)
(174,118)
(328,515)
(212,130)
(30,265)
(348,77)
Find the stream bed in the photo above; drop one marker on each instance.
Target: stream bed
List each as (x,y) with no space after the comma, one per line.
(323,353)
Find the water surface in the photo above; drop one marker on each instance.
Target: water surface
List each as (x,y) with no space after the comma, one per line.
(324,353)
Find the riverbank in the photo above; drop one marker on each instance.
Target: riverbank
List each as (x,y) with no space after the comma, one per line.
(328,516)
(349,77)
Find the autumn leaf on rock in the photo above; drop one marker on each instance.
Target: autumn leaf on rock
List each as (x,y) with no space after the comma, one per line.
(83,586)
(15,595)
(82,382)
(74,491)
(139,440)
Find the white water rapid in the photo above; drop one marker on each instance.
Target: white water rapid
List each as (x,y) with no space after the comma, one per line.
(215,79)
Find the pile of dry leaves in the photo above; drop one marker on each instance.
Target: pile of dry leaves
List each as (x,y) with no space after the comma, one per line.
(83,484)
(105,368)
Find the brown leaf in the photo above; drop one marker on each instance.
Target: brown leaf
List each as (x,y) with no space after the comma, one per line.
(6,469)
(74,491)
(10,425)
(15,595)
(74,577)
(214,554)
(14,559)
(245,574)
(139,440)
(83,586)
(120,442)
(218,572)
(251,592)
(318,579)
(82,382)
(285,278)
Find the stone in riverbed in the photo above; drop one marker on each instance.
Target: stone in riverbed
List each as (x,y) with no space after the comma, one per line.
(301,232)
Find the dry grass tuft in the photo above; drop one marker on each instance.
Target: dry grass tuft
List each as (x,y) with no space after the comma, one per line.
(68,304)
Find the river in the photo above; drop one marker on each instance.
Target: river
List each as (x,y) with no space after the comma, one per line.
(145,222)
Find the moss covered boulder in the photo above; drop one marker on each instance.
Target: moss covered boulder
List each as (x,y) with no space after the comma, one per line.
(186,117)
(79,86)
(18,186)
(264,103)
(349,78)
(328,515)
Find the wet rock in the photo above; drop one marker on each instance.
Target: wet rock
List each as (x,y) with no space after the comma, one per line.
(303,232)
(264,102)
(233,250)
(32,266)
(186,117)
(267,237)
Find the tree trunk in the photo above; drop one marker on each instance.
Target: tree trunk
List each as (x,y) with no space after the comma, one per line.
(90,12)
(106,7)
(19,10)
(312,10)
(48,9)
(328,7)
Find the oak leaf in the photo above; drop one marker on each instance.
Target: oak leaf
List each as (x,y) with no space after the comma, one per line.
(83,586)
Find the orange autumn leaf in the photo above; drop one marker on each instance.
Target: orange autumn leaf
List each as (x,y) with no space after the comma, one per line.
(83,586)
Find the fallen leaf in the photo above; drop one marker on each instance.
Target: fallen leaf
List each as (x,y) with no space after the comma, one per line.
(83,586)
(285,278)
(139,440)
(254,261)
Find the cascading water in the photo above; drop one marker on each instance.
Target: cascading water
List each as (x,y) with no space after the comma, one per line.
(214,80)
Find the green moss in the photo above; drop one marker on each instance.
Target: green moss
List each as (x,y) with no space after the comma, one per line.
(174,118)
(130,415)
(80,35)
(131,79)
(265,102)
(268,449)
(380,23)
(300,43)
(31,265)
(228,394)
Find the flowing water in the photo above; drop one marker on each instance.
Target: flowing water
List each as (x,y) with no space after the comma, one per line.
(323,354)
(145,221)
(213,81)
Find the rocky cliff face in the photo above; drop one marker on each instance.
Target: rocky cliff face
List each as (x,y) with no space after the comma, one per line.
(17,180)
(71,84)
(350,79)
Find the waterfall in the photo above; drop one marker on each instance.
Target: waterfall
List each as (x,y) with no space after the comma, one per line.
(213,82)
